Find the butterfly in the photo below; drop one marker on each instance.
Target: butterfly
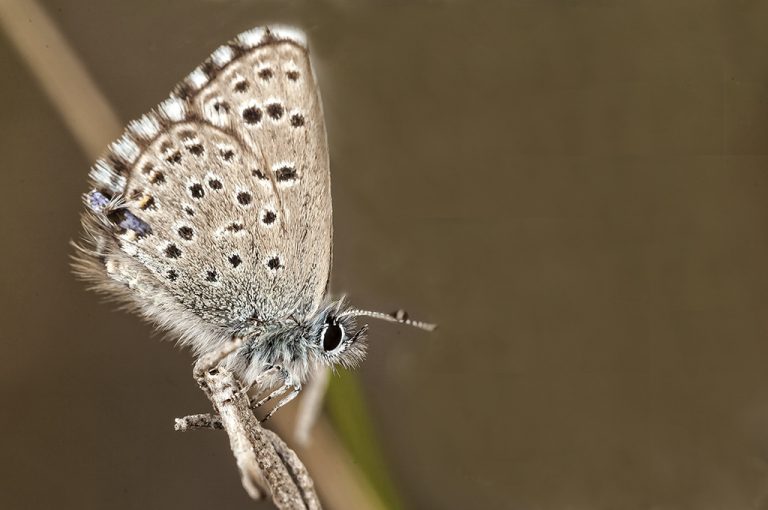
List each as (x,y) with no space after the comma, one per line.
(212,217)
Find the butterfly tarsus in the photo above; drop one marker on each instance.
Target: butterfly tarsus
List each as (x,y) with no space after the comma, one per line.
(288,384)
(279,391)
(292,395)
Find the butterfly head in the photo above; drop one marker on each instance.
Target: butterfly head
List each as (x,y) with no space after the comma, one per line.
(336,337)
(329,337)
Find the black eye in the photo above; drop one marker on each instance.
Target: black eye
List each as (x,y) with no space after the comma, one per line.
(332,335)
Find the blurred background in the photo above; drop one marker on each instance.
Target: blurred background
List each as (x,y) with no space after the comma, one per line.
(574,190)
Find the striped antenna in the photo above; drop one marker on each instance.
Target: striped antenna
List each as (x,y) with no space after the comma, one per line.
(399,316)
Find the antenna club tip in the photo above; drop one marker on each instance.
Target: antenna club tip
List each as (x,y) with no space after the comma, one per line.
(400,315)
(403,317)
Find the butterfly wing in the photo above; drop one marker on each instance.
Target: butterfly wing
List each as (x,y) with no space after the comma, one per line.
(217,203)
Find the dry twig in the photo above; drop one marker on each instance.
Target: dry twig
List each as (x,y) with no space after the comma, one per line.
(266,463)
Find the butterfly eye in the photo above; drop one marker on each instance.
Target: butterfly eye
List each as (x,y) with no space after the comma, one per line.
(332,335)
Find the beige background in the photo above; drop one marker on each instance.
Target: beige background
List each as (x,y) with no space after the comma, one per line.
(575,191)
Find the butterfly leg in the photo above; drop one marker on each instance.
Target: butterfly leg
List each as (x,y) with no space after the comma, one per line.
(279,391)
(285,400)
(268,374)
(264,382)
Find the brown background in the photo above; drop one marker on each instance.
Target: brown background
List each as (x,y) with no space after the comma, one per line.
(574,190)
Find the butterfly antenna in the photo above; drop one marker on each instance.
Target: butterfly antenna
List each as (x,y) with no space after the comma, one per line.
(399,316)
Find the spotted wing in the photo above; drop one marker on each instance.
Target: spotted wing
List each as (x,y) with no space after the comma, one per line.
(223,192)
